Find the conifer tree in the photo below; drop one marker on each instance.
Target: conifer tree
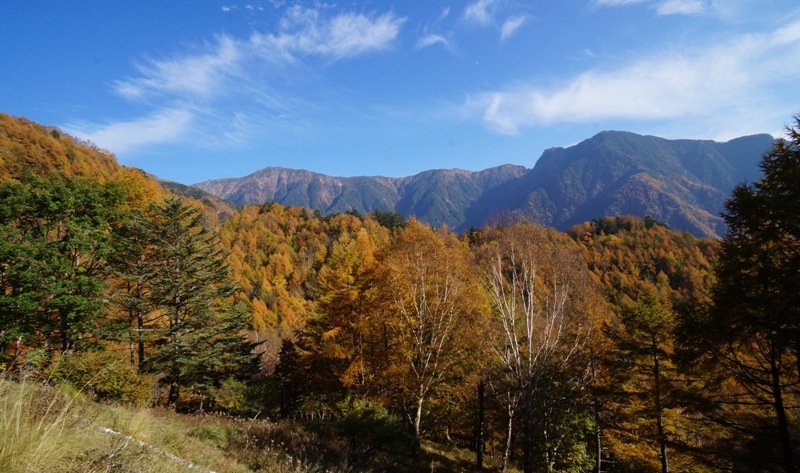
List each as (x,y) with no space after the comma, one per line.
(753,330)
(642,367)
(203,341)
(132,263)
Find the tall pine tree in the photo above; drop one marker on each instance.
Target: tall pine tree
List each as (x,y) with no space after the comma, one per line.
(203,337)
(754,325)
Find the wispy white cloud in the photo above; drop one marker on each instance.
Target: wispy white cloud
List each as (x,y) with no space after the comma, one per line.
(662,7)
(306,31)
(243,71)
(431,40)
(511,25)
(787,34)
(480,12)
(198,74)
(247,7)
(616,3)
(710,82)
(681,7)
(160,127)
(445,13)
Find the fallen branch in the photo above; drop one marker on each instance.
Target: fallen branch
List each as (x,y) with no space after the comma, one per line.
(172,457)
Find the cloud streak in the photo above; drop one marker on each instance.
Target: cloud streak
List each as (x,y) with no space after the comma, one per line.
(480,12)
(431,40)
(161,126)
(197,75)
(511,25)
(662,7)
(662,86)
(306,32)
(681,7)
(238,70)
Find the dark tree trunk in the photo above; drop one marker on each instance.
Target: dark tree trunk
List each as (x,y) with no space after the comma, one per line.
(480,427)
(527,432)
(64,332)
(780,411)
(662,438)
(174,394)
(140,331)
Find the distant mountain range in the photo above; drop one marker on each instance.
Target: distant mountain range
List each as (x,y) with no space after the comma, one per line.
(683,183)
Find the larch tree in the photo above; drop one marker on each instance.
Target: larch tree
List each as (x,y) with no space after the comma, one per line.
(643,370)
(342,329)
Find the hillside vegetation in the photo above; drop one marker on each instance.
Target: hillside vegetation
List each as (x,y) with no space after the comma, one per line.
(277,338)
(29,147)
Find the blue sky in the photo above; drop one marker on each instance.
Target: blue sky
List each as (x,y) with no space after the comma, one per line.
(192,90)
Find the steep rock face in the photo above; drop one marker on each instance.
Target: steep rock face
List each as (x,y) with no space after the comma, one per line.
(683,183)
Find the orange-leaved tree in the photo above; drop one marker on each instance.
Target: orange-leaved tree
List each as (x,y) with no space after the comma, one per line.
(432,303)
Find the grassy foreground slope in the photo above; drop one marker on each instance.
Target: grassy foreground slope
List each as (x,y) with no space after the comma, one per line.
(48,428)
(56,429)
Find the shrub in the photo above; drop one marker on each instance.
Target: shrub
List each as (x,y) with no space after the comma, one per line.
(105,375)
(370,428)
(232,396)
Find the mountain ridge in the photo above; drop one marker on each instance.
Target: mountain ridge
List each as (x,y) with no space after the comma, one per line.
(681,182)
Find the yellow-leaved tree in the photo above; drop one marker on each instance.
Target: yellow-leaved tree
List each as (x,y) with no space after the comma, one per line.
(432,303)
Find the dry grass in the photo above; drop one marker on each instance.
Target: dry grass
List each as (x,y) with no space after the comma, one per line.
(47,428)
(56,429)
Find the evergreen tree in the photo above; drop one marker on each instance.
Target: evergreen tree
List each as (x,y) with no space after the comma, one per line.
(133,264)
(753,330)
(203,341)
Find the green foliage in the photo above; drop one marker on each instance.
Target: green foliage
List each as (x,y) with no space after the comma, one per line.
(106,375)
(390,220)
(232,395)
(213,433)
(203,341)
(369,427)
(55,233)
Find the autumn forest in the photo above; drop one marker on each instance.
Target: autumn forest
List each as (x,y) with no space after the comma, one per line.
(619,345)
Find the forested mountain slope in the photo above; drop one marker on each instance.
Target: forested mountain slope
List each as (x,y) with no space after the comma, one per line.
(30,149)
(26,146)
(680,182)
(437,197)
